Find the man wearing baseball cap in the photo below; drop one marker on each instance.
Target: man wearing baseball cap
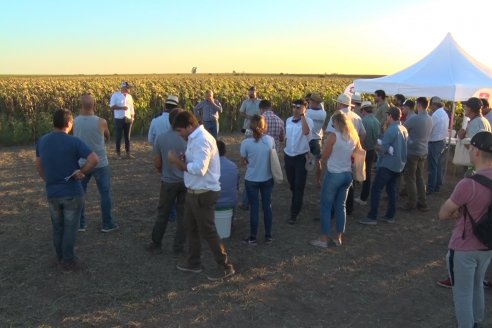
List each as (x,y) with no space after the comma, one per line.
(468,257)
(121,104)
(161,124)
(392,156)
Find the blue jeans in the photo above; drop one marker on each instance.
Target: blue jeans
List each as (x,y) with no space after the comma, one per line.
(434,159)
(334,195)
(65,216)
(265,189)
(212,127)
(384,178)
(102,175)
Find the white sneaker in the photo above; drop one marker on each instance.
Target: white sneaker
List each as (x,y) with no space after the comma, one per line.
(360,201)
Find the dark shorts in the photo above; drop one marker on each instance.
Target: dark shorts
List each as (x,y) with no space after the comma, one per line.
(315,147)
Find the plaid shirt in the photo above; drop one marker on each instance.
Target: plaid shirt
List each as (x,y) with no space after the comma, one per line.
(275,126)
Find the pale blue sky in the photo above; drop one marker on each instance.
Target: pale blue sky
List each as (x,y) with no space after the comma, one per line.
(311,36)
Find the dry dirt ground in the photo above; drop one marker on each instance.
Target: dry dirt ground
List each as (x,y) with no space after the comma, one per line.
(383,276)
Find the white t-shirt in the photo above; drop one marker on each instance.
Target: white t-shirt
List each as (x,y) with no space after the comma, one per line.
(318,116)
(297,142)
(119,99)
(440,124)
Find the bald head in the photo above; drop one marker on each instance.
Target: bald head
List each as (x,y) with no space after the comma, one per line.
(87,103)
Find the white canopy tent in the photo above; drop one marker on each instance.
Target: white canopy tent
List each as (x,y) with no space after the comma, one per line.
(447,72)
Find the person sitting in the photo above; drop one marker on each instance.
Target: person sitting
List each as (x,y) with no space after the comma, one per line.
(229,180)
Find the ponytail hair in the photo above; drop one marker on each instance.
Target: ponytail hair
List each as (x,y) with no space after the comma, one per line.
(258,126)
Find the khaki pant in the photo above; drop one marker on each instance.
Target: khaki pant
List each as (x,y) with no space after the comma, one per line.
(414,180)
(200,224)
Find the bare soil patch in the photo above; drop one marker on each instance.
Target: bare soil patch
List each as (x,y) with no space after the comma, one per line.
(383,276)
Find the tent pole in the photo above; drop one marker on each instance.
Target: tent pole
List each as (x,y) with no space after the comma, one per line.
(448,143)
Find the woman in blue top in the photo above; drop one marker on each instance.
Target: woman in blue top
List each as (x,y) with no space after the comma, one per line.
(337,156)
(255,153)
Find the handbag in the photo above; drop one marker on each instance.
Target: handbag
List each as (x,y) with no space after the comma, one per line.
(359,164)
(277,174)
(461,154)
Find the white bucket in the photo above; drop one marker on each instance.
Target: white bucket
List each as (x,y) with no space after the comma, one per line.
(223,220)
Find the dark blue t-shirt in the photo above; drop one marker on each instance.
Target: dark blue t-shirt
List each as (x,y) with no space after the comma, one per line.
(60,154)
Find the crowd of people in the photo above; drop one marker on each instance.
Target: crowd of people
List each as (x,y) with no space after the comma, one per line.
(197,178)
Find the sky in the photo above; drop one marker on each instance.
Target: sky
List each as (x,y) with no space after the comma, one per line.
(296,37)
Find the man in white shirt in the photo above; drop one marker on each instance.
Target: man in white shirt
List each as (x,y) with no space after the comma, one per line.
(343,104)
(318,115)
(439,132)
(121,104)
(201,166)
(161,124)
(298,133)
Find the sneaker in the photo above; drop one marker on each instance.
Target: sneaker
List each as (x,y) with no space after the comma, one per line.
(268,240)
(423,208)
(185,267)
(291,221)
(118,156)
(82,229)
(387,220)
(221,273)
(368,221)
(113,228)
(360,201)
(153,248)
(249,241)
(446,283)
(319,243)
(129,156)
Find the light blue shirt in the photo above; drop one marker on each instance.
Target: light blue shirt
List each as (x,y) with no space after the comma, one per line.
(258,156)
(158,126)
(396,136)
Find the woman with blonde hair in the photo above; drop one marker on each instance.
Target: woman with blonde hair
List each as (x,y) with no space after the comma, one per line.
(255,153)
(337,157)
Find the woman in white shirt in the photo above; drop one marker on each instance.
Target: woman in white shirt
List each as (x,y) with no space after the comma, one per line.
(337,154)
(255,153)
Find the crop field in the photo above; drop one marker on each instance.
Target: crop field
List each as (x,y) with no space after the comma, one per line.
(27,103)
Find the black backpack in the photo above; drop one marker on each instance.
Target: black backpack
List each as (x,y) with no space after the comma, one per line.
(482,228)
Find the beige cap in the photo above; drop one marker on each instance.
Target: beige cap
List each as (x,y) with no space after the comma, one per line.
(344,99)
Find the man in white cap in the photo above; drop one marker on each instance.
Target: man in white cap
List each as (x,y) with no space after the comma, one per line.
(343,105)
(121,104)
(160,124)
(356,101)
